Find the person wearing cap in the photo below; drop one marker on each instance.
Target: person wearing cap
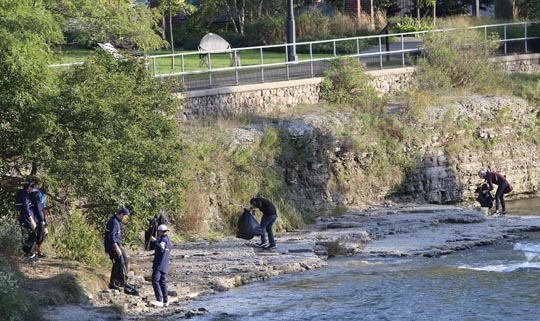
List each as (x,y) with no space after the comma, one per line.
(160,266)
(113,247)
(503,187)
(26,220)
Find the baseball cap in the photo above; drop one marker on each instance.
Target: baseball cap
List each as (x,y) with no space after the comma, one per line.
(162,228)
(123,210)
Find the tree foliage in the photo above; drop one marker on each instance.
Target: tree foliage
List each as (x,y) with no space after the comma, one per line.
(102,134)
(457,59)
(121,22)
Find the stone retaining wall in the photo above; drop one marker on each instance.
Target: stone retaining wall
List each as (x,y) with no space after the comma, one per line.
(268,97)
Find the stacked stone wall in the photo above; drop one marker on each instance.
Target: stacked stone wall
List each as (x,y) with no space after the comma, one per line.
(261,98)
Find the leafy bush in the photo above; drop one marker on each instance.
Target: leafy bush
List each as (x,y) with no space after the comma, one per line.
(15,305)
(76,240)
(526,86)
(409,24)
(458,59)
(346,84)
(266,31)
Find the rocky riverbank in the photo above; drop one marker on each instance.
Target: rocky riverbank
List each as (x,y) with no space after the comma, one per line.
(201,268)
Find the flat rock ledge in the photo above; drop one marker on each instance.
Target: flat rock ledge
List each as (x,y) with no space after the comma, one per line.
(203,267)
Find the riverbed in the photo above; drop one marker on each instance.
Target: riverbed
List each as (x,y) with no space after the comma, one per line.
(500,281)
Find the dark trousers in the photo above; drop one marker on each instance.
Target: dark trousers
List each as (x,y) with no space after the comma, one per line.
(499,196)
(159,283)
(267,221)
(119,269)
(28,239)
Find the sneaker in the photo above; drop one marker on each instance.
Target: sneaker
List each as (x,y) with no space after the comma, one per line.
(158,304)
(495,214)
(269,247)
(165,304)
(29,256)
(503,213)
(40,254)
(262,244)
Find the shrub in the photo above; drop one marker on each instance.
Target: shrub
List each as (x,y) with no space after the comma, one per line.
(458,59)
(345,83)
(76,240)
(265,31)
(15,305)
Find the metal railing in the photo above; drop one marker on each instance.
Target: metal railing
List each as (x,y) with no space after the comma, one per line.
(374,52)
(269,63)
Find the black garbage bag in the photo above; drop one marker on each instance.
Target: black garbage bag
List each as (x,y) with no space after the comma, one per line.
(153,224)
(248,226)
(485,198)
(131,290)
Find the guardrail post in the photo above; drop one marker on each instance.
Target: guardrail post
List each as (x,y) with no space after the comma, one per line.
(505,46)
(183,68)
(358,49)
(209,71)
(402,51)
(287,63)
(380,53)
(262,65)
(235,68)
(154,66)
(311,60)
(526,41)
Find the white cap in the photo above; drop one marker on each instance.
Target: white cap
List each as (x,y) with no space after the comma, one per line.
(162,228)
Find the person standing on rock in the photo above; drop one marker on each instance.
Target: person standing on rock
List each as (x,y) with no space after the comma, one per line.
(27,221)
(503,187)
(267,221)
(113,247)
(160,267)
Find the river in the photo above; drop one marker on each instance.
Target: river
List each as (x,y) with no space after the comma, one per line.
(496,282)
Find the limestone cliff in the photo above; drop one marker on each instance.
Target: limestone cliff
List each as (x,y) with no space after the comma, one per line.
(325,168)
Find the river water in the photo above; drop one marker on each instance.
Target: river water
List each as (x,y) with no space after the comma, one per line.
(496,282)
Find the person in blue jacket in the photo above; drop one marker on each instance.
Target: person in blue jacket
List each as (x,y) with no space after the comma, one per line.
(36,204)
(26,220)
(113,247)
(160,266)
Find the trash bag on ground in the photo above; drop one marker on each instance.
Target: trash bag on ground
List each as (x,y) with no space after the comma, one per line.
(485,199)
(248,227)
(153,224)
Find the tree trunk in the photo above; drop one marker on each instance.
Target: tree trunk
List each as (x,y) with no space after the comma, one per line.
(434,13)
(163,27)
(418,10)
(172,39)
(477,8)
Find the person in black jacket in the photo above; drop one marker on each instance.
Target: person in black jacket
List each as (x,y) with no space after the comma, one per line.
(267,221)
(27,220)
(113,247)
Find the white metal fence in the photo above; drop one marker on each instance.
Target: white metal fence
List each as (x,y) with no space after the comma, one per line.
(269,63)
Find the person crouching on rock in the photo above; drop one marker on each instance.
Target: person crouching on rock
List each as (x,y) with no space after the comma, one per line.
(113,247)
(503,187)
(267,221)
(160,267)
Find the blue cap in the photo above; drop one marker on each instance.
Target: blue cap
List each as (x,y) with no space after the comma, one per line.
(123,210)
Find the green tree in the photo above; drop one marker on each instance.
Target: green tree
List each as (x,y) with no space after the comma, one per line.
(173,7)
(121,22)
(115,139)
(26,33)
